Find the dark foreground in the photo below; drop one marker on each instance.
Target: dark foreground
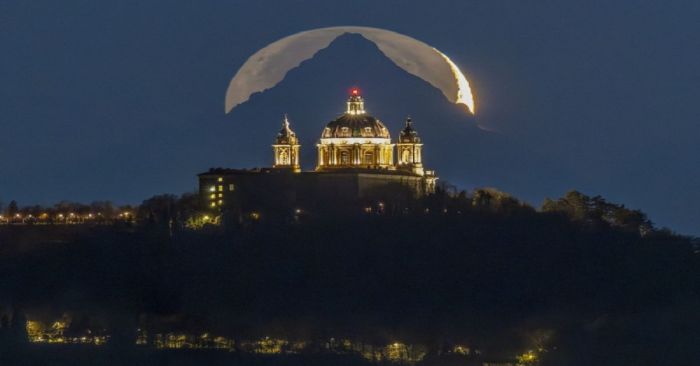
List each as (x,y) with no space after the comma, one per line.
(40,355)
(581,282)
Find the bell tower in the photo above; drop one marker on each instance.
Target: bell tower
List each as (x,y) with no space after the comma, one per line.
(408,150)
(286,148)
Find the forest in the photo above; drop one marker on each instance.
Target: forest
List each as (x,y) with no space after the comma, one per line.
(450,278)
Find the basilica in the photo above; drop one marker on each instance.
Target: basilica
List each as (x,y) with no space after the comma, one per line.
(357,162)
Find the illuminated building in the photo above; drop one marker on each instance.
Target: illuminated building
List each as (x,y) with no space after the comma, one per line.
(355,140)
(357,161)
(286,148)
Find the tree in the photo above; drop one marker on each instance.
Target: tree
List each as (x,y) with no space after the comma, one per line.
(12,208)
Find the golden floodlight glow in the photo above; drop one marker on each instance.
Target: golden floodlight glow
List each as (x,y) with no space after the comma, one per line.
(464,92)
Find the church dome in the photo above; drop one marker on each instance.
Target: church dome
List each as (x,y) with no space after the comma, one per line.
(355,122)
(361,125)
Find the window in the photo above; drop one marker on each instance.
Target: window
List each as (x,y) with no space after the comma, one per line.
(406,156)
(221,179)
(221,195)
(230,187)
(212,196)
(344,131)
(345,157)
(221,202)
(368,158)
(284,158)
(213,204)
(212,189)
(221,188)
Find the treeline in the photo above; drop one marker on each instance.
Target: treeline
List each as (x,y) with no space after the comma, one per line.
(187,210)
(581,281)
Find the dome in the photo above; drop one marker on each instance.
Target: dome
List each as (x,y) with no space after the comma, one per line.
(355,125)
(286,136)
(355,122)
(408,134)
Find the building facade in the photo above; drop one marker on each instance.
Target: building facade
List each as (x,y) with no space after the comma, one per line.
(357,162)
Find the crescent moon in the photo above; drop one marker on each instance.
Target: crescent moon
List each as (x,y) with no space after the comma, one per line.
(268,66)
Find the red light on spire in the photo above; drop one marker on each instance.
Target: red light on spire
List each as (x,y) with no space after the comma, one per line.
(355,91)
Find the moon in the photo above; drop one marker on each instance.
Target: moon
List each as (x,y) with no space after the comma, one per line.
(268,66)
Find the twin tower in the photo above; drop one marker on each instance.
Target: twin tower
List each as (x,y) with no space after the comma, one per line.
(355,141)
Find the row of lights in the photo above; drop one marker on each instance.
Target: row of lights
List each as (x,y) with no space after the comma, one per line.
(70,216)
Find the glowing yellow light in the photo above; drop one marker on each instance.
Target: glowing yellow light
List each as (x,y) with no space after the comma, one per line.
(206,217)
(464,91)
(212,189)
(220,179)
(213,195)
(528,357)
(213,204)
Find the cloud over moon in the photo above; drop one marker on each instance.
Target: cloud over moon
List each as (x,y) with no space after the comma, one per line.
(267,67)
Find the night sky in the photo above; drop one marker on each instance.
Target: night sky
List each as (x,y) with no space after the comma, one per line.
(123,100)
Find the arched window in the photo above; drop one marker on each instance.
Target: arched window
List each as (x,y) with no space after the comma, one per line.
(368,158)
(345,157)
(405,156)
(284,158)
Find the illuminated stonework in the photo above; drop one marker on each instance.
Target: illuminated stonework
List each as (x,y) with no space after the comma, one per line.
(355,140)
(408,150)
(286,148)
(355,162)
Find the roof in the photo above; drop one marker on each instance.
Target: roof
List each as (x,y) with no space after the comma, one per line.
(355,125)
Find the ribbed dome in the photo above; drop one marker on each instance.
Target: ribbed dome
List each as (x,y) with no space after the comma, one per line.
(355,125)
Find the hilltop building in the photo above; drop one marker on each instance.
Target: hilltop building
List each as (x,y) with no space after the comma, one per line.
(357,162)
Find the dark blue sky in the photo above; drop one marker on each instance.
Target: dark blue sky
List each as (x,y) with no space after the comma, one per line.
(123,100)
